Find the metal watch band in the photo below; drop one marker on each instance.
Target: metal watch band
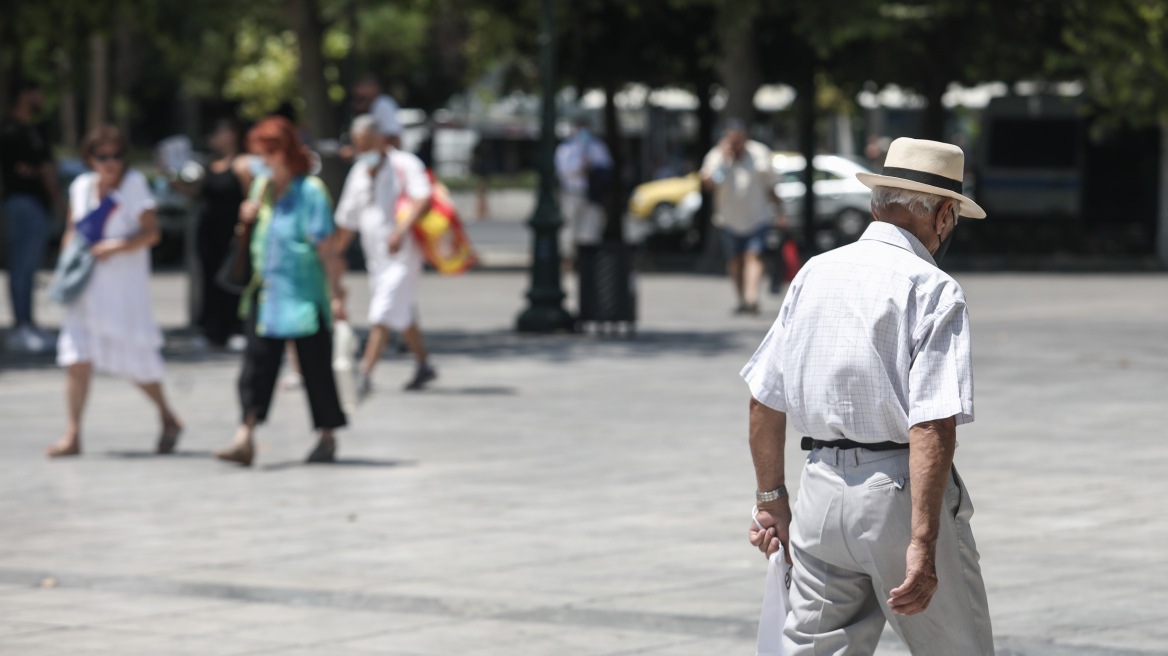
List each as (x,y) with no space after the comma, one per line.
(777,493)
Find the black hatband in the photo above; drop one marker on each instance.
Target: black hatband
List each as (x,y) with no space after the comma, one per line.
(922,177)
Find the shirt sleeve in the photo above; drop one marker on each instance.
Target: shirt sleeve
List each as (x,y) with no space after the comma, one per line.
(940,379)
(764,373)
(712,161)
(349,207)
(417,182)
(385,111)
(318,211)
(136,194)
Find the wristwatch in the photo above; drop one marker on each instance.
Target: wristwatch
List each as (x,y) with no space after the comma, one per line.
(777,493)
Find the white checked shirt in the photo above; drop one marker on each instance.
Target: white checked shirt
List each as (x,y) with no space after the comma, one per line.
(872,338)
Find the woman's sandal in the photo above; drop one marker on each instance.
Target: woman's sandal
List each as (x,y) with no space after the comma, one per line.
(169,438)
(240,453)
(63,449)
(325,451)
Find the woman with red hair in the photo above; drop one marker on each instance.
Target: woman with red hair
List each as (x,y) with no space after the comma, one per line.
(296,267)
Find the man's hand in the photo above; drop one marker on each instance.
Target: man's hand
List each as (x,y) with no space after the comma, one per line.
(396,239)
(248,210)
(920,581)
(775,518)
(107,247)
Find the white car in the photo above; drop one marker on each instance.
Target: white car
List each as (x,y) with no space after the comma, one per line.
(842,203)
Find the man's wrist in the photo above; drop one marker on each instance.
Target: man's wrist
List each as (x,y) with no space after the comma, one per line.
(770,495)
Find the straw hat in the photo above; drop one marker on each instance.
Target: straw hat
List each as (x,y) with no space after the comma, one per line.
(929,166)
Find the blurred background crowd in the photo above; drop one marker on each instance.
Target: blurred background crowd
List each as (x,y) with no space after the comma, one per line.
(1059,105)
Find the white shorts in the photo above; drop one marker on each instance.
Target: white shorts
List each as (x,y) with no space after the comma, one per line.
(393,295)
(583,223)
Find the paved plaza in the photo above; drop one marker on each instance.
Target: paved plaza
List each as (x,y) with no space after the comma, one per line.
(565,495)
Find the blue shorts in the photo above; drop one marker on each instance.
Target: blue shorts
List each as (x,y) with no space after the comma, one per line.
(753,242)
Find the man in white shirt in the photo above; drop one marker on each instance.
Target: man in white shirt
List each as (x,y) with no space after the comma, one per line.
(380,177)
(740,173)
(870,358)
(583,216)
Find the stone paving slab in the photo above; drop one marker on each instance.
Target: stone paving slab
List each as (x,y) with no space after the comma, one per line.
(567,494)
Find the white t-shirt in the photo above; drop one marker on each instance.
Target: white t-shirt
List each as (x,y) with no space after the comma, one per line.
(384,109)
(367,205)
(575,156)
(741,201)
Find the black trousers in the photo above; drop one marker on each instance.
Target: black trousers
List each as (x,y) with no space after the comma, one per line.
(261,367)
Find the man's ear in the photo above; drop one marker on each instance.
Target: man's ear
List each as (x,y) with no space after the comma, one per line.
(943,212)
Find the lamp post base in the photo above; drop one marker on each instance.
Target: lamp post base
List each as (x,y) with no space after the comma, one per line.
(546,319)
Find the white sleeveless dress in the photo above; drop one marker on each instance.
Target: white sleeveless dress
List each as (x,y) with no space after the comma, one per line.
(111,323)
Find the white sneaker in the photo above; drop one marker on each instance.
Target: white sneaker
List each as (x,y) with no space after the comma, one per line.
(27,339)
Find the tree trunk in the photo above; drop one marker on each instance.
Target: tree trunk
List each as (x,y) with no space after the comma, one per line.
(68,112)
(1162,227)
(806,103)
(98,81)
(737,66)
(933,121)
(613,226)
(125,71)
(322,120)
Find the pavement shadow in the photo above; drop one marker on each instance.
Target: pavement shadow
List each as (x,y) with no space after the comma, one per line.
(150,455)
(567,347)
(471,391)
(181,346)
(340,462)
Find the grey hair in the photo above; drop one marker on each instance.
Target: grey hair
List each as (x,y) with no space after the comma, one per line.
(920,203)
(365,123)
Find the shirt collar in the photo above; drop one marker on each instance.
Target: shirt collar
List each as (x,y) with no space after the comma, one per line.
(899,237)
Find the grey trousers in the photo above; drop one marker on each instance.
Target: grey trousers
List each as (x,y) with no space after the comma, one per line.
(851,527)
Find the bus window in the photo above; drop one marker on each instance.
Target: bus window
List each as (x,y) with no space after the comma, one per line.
(1033,144)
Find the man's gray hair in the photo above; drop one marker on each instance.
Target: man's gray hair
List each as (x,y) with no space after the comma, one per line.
(920,203)
(365,123)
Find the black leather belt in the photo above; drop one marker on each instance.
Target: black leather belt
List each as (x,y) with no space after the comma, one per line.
(810,443)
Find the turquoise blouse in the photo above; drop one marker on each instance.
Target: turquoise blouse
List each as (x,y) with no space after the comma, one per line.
(290,281)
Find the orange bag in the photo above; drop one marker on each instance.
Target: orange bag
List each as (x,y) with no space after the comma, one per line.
(439,233)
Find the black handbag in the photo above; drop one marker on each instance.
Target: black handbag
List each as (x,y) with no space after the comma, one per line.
(235,273)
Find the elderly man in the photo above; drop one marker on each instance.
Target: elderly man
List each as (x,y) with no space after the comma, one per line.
(870,357)
(381,175)
(739,172)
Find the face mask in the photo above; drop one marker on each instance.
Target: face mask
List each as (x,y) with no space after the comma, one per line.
(937,256)
(258,167)
(584,134)
(370,159)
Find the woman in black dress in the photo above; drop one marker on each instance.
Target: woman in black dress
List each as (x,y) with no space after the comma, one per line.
(220,196)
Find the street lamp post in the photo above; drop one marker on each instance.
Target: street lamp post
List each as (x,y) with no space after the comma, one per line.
(545,312)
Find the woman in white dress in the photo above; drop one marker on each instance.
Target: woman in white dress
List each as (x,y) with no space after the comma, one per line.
(110,326)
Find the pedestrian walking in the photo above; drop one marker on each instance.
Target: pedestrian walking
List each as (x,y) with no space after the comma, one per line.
(870,358)
(295,268)
(220,195)
(30,191)
(110,325)
(584,166)
(382,179)
(740,173)
(369,99)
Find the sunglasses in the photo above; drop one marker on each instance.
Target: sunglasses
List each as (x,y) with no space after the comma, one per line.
(103,158)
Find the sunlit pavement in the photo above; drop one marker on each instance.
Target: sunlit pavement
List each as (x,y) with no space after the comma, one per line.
(565,495)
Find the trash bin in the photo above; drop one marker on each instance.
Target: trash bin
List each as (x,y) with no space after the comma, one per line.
(608,295)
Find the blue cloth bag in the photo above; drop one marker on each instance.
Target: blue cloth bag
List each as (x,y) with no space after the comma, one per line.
(76,262)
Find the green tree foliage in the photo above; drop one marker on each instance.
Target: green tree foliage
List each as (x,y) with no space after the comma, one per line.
(1121,50)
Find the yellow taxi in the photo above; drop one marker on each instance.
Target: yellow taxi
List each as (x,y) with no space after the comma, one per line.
(657,201)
